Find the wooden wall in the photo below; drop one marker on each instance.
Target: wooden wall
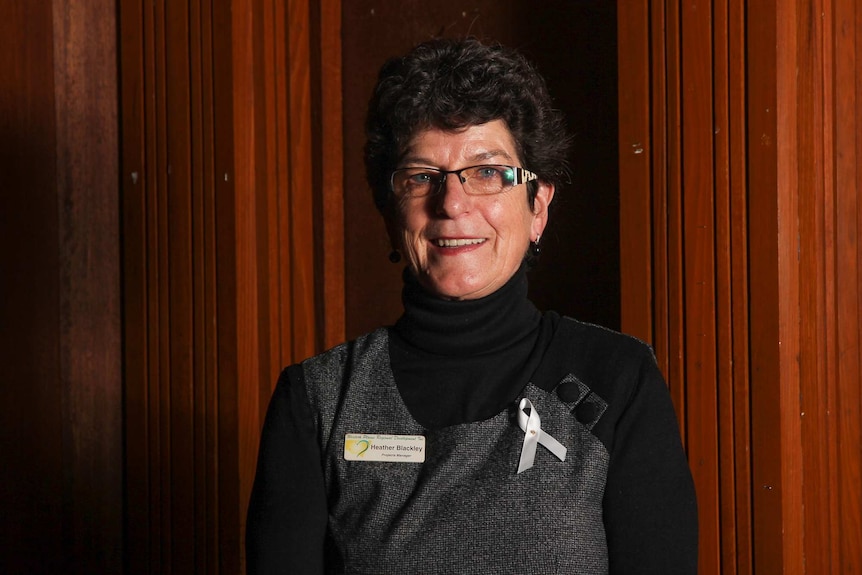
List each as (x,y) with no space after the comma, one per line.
(739,155)
(211,166)
(60,380)
(230,156)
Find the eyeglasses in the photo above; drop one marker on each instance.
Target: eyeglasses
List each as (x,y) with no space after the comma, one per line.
(482,180)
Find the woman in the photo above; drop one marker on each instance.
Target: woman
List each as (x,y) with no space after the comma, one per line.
(477,434)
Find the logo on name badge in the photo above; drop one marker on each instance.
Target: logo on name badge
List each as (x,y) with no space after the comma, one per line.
(380,447)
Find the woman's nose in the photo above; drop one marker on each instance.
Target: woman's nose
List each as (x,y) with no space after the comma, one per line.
(452,199)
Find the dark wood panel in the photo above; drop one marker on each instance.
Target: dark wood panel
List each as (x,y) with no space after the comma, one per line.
(60,290)
(764,336)
(137,532)
(301,181)
(90,351)
(330,210)
(636,40)
(222,389)
(31,406)
(179,256)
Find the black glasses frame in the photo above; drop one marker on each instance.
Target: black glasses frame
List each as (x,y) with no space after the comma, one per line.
(521,176)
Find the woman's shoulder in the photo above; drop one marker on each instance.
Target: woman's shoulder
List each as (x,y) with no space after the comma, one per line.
(608,362)
(319,372)
(375,340)
(598,341)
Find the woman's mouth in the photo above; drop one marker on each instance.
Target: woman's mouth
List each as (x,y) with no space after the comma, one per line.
(457,243)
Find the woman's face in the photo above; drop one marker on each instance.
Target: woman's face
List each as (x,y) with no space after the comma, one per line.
(461,246)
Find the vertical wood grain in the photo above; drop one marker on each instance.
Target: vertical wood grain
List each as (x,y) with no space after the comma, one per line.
(699,257)
(332,173)
(302,182)
(89,288)
(247,97)
(60,400)
(845,329)
(737,532)
(788,387)
(671,212)
(31,407)
(134,273)
(812,115)
(771,396)
(225,414)
(722,78)
(180,256)
(633,32)
(691,289)
(221,241)
(662,158)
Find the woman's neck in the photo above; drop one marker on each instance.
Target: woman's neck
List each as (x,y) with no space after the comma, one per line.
(467,328)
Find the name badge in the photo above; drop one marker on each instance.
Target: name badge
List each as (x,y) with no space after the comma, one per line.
(379,447)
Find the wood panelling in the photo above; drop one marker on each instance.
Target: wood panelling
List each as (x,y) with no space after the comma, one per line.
(739,155)
(61,391)
(31,407)
(841,276)
(85,91)
(330,142)
(221,163)
(751,180)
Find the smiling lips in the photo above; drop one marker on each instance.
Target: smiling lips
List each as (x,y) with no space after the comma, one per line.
(457,243)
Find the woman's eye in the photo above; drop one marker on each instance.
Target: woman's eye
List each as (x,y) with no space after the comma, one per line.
(488,173)
(422,178)
(418,180)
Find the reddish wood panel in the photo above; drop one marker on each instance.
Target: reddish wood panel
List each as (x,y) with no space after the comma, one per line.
(735,465)
(700,241)
(811,118)
(634,33)
(221,160)
(841,278)
(760,101)
(697,312)
(330,208)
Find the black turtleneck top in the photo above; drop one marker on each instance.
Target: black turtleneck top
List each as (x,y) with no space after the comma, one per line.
(462,361)
(456,362)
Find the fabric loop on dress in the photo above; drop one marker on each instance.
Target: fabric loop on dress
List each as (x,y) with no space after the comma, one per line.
(531,425)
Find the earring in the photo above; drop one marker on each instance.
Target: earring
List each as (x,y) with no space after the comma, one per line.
(535,248)
(394,256)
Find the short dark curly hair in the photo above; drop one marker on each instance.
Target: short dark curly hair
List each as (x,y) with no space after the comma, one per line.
(451,84)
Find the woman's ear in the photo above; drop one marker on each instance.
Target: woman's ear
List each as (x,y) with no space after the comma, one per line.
(541,203)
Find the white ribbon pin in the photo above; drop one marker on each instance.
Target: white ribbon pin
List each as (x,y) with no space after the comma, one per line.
(533,435)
